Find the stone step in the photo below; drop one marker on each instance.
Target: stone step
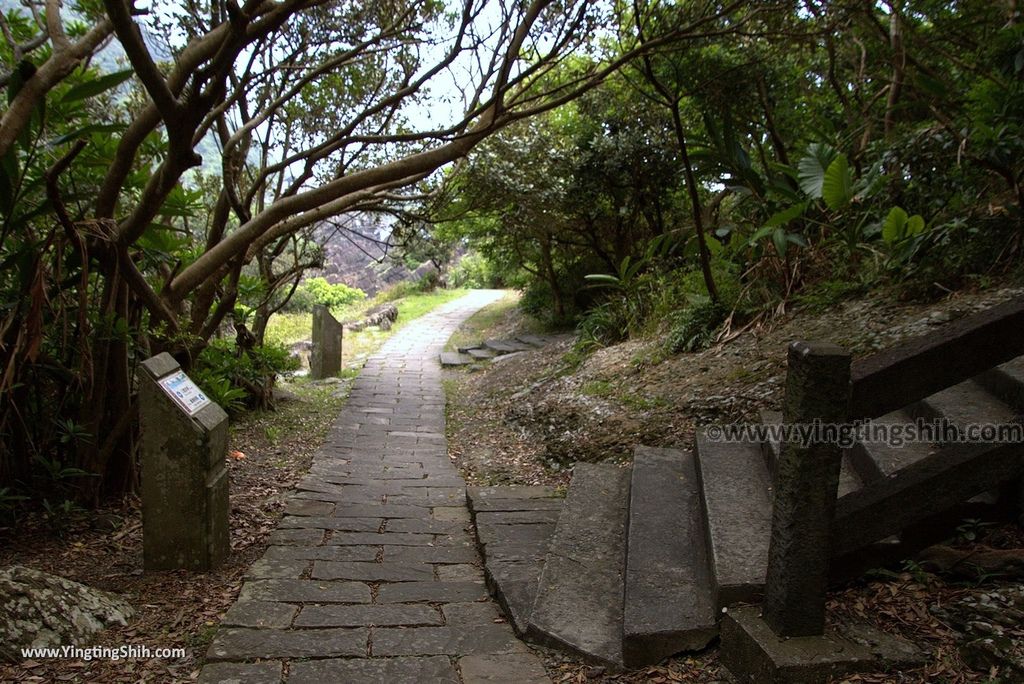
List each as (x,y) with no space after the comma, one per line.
(668,596)
(579,599)
(876,460)
(736,500)
(954,473)
(850,479)
(1006,382)
(532,340)
(456,359)
(506,346)
(968,403)
(482,354)
(518,523)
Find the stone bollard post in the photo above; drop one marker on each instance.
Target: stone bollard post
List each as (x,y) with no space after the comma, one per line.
(807,480)
(325,356)
(184,476)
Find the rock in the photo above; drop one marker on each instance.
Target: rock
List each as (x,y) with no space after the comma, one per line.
(42,610)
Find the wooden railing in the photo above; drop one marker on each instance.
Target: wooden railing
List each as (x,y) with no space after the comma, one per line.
(924,365)
(809,526)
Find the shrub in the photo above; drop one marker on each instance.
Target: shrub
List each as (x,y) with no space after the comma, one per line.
(315,291)
(694,327)
(238,381)
(474,270)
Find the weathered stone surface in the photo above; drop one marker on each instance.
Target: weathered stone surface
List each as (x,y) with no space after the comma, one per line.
(1006,381)
(484,494)
(476,613)
(382,538)
(380,511)
(806,486)
(331,553)
(445,640)
(435,592)
(455,359)
(481,354)
(325,356)
(260,614)
(425,526)
(307,507)
(514,668)
(451,514)
(41,610)
(278,568)
(514,534)
(669,603)
(430,554)
(392,670)
(967,403)
(579,597)
(331,523)
(458,573)
(300,591)
(752,652)
(850,475)
(306,537)
(506,346)
(241,644)
(877,460)
(241,673)
(514,517)
(737,507)
(184,478)
(372,572)
(368,616)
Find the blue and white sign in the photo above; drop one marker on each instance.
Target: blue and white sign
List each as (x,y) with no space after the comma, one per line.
(184,392)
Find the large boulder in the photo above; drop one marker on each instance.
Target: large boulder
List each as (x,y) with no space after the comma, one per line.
(42,610)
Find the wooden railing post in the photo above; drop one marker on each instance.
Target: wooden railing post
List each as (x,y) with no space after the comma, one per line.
(807,480)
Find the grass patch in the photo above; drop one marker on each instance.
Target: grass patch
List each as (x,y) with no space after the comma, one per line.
(289,328)
(598,388)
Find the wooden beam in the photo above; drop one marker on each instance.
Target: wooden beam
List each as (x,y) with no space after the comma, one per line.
(924,365)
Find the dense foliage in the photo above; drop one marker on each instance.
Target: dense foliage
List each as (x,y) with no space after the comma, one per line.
(635,165)
(836,147)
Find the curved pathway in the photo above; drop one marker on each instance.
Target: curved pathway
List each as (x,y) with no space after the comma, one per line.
(373,575)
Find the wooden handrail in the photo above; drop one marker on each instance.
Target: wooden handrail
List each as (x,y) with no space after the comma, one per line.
(921,366)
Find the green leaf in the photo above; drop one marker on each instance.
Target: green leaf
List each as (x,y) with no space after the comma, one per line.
(83,91)
(86,130)
(601,279)
(837,186)
(892,227)
(915,225)
(761,234)
(783,217)
(812,168)
(780,241)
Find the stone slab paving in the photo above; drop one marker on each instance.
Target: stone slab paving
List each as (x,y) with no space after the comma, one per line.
(515,526)
(373,574)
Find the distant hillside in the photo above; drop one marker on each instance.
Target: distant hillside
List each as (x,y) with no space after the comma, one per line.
(362,257)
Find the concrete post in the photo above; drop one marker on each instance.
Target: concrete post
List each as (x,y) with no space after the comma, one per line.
(184,476)
(325,356)
(807,480)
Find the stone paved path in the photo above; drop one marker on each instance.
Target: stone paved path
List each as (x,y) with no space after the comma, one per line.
(373,575)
